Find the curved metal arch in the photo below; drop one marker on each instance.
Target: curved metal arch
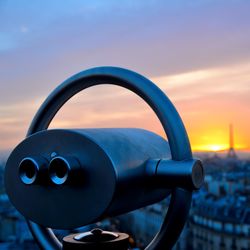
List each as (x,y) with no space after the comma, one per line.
(171,122)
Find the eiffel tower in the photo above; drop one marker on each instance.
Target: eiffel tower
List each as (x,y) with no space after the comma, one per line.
(231,152)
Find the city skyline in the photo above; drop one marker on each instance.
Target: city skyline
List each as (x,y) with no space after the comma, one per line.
(197,52)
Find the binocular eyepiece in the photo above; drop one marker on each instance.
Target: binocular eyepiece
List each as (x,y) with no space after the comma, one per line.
(28,170)
(58,171)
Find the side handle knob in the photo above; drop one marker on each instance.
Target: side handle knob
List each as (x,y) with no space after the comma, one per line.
(187,174)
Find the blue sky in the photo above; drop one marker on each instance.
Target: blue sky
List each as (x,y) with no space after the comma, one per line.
(44,42)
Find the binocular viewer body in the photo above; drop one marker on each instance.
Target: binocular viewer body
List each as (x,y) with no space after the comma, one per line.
(84,175)
(103,172)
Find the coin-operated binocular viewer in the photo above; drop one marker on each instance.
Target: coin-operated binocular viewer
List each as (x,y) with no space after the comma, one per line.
(68,178)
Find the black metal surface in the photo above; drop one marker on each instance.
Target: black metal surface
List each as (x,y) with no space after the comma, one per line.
(173,126)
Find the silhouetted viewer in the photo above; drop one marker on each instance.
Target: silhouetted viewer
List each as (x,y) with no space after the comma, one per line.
(67,178)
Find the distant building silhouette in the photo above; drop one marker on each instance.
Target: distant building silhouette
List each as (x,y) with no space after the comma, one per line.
(231,152)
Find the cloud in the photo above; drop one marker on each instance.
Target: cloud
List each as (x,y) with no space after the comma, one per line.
(201,83)
(207,100)
(24,29)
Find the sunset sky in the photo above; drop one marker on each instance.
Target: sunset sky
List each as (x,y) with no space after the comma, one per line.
(196,51)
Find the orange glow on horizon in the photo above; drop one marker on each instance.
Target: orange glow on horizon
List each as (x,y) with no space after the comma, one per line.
(213,143)
(210,148)
(206,108)
(216,148)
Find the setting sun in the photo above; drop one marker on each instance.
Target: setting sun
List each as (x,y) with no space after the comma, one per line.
(216,147)
(211,147)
